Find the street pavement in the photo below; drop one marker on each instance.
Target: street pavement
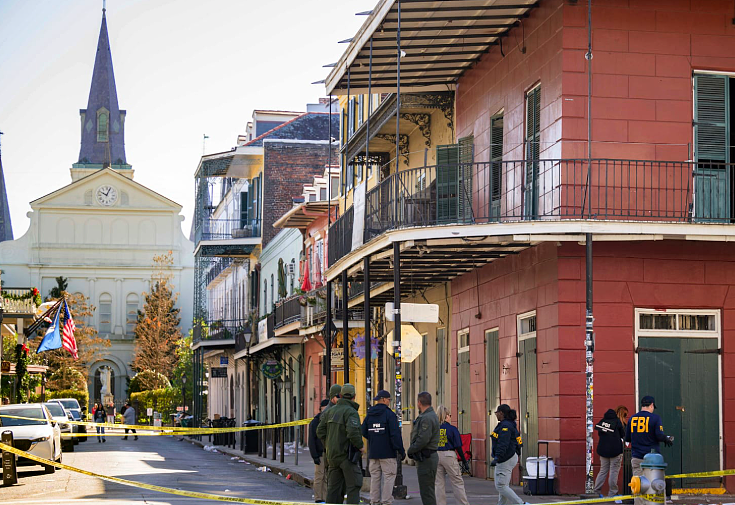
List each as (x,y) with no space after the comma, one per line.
(163,461)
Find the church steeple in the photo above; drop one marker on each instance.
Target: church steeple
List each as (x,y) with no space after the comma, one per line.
(103,123)
(6,228)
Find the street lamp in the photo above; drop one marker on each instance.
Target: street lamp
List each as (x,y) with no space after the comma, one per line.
(183,394)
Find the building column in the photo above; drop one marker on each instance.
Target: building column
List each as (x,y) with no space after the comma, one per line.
(118,312)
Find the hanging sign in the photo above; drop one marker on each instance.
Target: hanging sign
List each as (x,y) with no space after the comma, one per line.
(218,372)
(338,359)
(358,206)
(272,369)
(414,312)
(224,360)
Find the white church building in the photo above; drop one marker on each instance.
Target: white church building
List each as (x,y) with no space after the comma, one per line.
(101,233)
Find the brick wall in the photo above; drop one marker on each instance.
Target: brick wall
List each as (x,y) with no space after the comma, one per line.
(287,167)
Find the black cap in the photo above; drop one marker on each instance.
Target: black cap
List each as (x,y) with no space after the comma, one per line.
(381,394)
(324,403)
(504,408)
(648,400)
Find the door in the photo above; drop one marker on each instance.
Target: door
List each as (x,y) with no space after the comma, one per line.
(492,390)
(682,375)
(528,413)
(447,183)
(712,147)
(464,421)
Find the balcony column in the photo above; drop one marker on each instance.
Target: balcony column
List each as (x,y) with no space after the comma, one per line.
(399,490)
(345,329)
(328,337)
(368,328)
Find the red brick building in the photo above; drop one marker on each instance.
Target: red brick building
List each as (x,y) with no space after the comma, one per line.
(636,151)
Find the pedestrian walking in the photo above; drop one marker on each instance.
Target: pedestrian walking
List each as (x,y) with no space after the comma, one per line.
(99,417)
(610,449)
(129,418)
(316,449)
(507,445)
(424,444)
(339,430)
(385,444)
(449,443)
(110,411)
(645,434)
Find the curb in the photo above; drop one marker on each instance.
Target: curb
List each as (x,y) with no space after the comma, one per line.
(295,476)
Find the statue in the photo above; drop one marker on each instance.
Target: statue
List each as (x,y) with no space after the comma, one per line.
(105,377)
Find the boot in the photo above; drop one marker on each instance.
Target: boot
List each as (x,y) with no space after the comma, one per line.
(136,437)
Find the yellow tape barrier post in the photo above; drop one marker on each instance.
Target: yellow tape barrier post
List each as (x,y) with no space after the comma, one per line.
(253,501)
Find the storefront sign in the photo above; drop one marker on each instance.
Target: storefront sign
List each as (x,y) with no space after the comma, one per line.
(218,372)
(263,330)
(272,369)
(338,359)
(414,312)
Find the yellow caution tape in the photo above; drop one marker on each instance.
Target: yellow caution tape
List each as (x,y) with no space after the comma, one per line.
(700,490)
(717,473)
(254,501)
(199,431)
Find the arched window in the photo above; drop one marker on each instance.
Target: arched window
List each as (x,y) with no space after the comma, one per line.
(103,126)
(131,313)
(105,325)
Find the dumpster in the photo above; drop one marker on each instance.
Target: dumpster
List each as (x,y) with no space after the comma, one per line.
(249,438)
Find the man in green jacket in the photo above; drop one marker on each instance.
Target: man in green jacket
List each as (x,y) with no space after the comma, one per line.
(424,443)
(339,428)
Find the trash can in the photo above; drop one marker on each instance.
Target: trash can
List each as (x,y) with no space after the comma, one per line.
(249,438)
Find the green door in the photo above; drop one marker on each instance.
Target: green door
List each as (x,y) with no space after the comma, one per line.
(464,422)
(528,381)
(682,374)
(712,147)
(492,391)
(447,183)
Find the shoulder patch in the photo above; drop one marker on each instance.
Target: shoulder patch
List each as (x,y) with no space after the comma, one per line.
(505,429)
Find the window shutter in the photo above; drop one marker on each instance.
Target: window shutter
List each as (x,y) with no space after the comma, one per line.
(533,134)
(711,118)
(496,165)
(466,159)
(447,161)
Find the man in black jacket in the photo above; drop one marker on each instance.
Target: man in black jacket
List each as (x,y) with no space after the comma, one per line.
(316,449)
(610,450)
(380,428)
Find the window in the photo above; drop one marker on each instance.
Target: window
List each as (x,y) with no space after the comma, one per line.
(105,325)
(533,152)
(131,313)
(322,194)
(265,297)
(273,295)
(496,165)
(292,275)
(678,322)
(335,186)
(318,260)
(527,325)
(103,126)
(361,109)
(245,206)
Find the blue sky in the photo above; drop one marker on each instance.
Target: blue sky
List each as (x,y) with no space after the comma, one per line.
(183,68)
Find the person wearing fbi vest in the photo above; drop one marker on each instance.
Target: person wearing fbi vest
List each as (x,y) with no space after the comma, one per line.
(450,445)
(645,434)
(610,449)
(507,445)
(381,430)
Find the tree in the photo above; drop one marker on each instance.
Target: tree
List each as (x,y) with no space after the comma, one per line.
(65,370)
(158,330)
(184,366)
(61,285)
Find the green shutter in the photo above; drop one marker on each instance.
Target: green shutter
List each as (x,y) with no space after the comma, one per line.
(466,160)
(447,163)
(711,118)
(496,165)
(711,147)
(533,133)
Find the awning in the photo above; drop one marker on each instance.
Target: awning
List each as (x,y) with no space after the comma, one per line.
(304,214)
(270,342)
(441,40)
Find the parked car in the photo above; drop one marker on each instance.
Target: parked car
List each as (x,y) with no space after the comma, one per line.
(62,417)
(40,436)
(72,405)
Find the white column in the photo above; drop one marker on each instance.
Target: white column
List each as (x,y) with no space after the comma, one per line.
(92,301)
(118,313)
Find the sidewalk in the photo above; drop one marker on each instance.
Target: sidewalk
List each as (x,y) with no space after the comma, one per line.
(478,490)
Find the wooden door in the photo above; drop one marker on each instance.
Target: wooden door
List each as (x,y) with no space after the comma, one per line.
(528,387)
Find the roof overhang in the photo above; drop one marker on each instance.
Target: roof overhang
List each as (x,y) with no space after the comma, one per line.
(214,344)
(301,216)
(270,342)
(441,40)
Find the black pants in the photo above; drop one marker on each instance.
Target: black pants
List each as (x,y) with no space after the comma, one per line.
(133,430)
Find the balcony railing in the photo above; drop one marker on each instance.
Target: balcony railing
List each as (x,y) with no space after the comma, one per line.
(227,229)
(17,301)
(218,266)
(533,190)
(220,329)
(286,312)
(314,312)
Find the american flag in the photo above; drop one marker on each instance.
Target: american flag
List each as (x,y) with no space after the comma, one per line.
(68,341)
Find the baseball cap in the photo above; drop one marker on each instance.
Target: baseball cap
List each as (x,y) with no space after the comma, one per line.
(648,400)
(381,394)
(348,391)
(324,403)
(503,407)
(335,390)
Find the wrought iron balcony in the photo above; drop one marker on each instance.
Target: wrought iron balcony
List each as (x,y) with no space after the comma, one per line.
(540,190)
(220,329)
(313,307)
(286,312)
(17,302)
(226,229)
